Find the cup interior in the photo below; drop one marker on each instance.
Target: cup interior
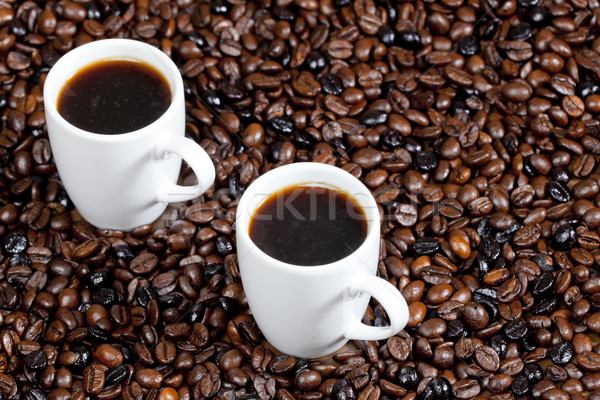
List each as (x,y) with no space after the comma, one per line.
(309,174)
(309,224)
(107,50)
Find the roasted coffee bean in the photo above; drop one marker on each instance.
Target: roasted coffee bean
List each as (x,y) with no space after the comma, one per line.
(315,61)
(144,294)
(308,380)
(489,248)
(533,372)
(528,3)
(545,307)
(14,243)
(543,284)
(108,355)
(515,330)
(562,353)
(588,361)
(468,45)
(143,263)
(34,393)
(332,84)
(520,385)
(386,35)
(585,89)
(98,335)
(149,378)
(475,315)
(93,379)
(560,174)
(36,360)
(426,161)
(505,235)
(520,32)
(84,358)
(408,39)
(100,279)
(195,313)
(439,388)
(558,192)
(466,388)
(556,373)
(499,344)
(537,16)
(105,297)
(373,117)
(487,358)
(224,245)
(408,377)
(219,7)
(425,246)
(343,390)
(282,125)
(115,375)
(564,237)
(170,300)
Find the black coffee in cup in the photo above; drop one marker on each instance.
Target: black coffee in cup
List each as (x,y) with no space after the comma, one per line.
(308,225)
(114,96)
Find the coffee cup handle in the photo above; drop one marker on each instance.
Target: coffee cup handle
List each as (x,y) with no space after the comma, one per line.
(196,158)
(391,300)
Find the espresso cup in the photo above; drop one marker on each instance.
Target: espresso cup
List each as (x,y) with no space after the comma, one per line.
(311,311)
(126,180)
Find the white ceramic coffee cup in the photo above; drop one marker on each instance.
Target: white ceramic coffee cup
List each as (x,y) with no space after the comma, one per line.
(126,180)
(313,311)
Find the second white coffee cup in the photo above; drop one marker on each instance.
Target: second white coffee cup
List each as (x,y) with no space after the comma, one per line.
(313,311)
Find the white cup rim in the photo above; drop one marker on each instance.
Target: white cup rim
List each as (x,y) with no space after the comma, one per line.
(344,179)
(83,56)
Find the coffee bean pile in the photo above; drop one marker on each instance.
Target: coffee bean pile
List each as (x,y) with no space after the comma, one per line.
(474,123)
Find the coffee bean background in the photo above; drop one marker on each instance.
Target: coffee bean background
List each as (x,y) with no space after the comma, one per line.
(475,124)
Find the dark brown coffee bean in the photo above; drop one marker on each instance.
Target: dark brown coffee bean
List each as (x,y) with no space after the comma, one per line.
(516,91)
(398,348)
(432,328)
(589,361)
(308,380)
(93,379)
(406,215)
(8,386)
(526,236)
(165,352)
(517,50)
(108,355)
(340,49)
(466,388)
(458,76)
(144,263)
(149,378)
(475,315)
(367,158)
(487,358)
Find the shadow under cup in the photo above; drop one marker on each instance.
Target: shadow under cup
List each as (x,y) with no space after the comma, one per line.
(309,311)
